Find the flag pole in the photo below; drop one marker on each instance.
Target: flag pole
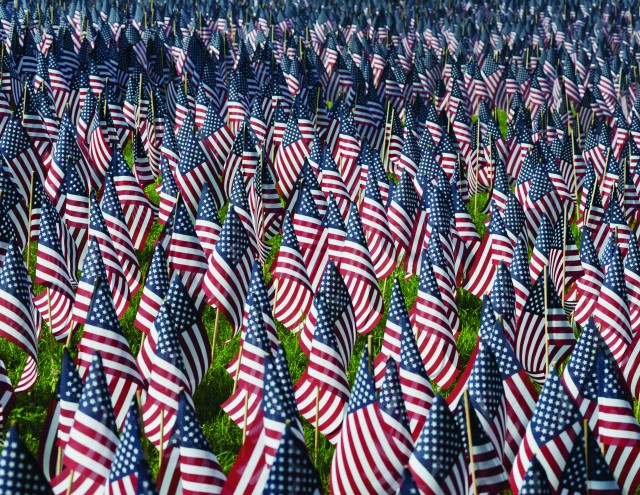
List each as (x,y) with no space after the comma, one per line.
(585,428)
(50,323)
(470,442)
(370,353)
(71,475)
(477,166)
(575,173)
(215,334)
(317,432)
(30,220)
(246,414)
(546,322)
(565,225)
(237,373)
(161,449)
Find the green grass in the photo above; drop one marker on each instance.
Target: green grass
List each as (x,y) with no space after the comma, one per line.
(225,437)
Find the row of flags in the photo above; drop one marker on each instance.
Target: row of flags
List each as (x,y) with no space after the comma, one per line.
(301,161)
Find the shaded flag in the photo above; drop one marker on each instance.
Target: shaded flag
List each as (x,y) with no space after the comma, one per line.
(22,474)
(366,455)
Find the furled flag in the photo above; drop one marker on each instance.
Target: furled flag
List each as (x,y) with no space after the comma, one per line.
(435,337)
(55,303)
(123,476)
(289,284)
(189,466)
(21,474)
(102,333)
(438,463)
(227,277)
(93,438)
(360,277)
(155,289)
(553,429)
(366,458)
(166,380)
(99,231)
(587,287)
(323,390)
(19,322)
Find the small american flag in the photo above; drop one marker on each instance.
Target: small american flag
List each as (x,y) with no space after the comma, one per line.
(93,438)
(123,476)
(18,320)
(103,333)
(323,390)
(392,409)
(554,427)
(290,158)
(155,289)
(366,457)
(227,277)
(23,473)
(438,461)
(207,222)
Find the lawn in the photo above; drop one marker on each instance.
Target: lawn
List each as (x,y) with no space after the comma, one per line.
(225,437)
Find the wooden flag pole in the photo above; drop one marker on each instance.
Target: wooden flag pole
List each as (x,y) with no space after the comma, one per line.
(477,171)
(30,220)
(161,449)
(215,334)
(565,226)
(585,429)
(575,173)
(317,432)
(50,323)
(370,353)
(246,414)
(546,322)
(470,442)
(71,475)
(237,373)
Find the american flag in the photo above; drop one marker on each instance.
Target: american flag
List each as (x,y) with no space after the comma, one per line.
(93,439)
(168,194)
(617,428)
(23,473)
(503,299)
(397,322)
(19,322)
(279,406)
(56,302)
(76,209)
(588,285)
(189,466)
(139,212)
(99,231)
(123,476)
(366,457)
(334,227)
(102,333)
(185,252)
(207,222)
(429,316)
(612,310)
(554,427)
(227,277)
(332,183)
(544,334)
(487,406)
(167,379)
(632,278)
(242,407)
(438,461)
(118,231)
(290,158)
(155,289)
(290,280)
(391,405)
(359,276)
(193,172)
(292,467)
(216,139)
(401,212)
(333,291)
(69,393)
(323,391)
(377,229)
(21,156)
(240,202)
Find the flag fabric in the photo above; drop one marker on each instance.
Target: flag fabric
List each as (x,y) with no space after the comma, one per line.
(123,476)
(23,474)
(380,463)
(18,321)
